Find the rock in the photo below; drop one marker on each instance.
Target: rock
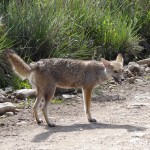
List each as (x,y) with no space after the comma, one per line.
(134,68)
(2,98)
(21,123)
(144,61)
(139,80)
(95,95)
(131,80)
(115,97)
(64,91)
(8,89)
(128,74)
(112,87)
(2,92)
(134,64)
(25,93)
(7,107)
(145,65)
(9,113)
(111,82)
(147,69)
(142,69)
(67,96)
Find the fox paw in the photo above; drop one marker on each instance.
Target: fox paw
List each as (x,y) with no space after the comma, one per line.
(92,120)
(51,125)
(39,121)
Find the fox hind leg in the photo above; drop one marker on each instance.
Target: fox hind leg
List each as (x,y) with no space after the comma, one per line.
(35,108)
(48,96)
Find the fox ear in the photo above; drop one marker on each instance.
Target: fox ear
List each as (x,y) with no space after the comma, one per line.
(119,58)
(105,62)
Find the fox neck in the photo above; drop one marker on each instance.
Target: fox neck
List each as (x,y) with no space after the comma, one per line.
(103,76)
(107,74)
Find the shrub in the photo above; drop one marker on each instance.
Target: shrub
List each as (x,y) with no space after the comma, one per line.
(78,29)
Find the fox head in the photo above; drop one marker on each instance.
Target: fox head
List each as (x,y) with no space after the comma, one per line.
(114,69)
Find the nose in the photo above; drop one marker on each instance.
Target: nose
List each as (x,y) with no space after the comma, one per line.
(122,79)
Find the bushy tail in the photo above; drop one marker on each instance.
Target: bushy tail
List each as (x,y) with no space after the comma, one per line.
(22,69)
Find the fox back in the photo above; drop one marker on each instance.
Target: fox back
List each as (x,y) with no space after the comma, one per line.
(70,73)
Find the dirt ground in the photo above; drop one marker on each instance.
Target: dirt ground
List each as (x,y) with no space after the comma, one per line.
(123,123)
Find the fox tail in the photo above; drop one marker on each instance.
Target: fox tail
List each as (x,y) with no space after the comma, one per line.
(19,66)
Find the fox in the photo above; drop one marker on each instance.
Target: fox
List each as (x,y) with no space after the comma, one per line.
(46,75)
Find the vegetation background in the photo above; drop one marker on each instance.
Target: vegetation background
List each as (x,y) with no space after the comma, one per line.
(82,29)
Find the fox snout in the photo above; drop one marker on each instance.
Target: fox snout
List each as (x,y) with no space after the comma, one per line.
(122,79)
(119,80)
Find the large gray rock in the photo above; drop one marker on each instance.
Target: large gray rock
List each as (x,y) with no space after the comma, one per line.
(2,92)
(8,89)
(144,61)
(7,107)
(147,69)
(3,98)
(134,68)
(25,93)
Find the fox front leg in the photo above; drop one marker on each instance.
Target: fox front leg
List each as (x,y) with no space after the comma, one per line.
(87,103)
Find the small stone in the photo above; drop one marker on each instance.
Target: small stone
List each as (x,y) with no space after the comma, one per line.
(111,82)
(64,91)
(2,124)
(12,96)
(147,69)
(134,64)
(67,96)
(139,80)
(2,99)
(112,86)
(9,114)
(21,123)
(8,89)
(95,95)
(131,80)
(2,92)
(144,65)
(134,68)
(142,69)
(115,97)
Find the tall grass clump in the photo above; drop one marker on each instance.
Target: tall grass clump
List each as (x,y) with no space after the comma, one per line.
(95,29)
(78,29)
(30,23)
(144,25)
(4,43)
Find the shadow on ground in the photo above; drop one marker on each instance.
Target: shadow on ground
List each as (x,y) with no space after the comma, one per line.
(81,127)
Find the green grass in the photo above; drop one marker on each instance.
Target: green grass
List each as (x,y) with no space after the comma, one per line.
(73,28)
(28,103)
(56,101)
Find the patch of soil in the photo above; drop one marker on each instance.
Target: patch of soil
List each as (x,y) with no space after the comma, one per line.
(123,123)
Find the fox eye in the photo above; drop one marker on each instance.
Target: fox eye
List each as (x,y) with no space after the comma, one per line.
(115,71)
